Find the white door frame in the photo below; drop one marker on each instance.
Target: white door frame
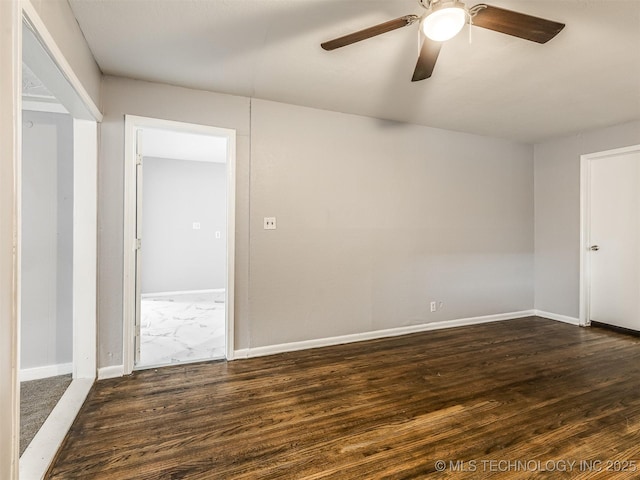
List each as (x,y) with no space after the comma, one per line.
(10,148)
(585,225)
(132,123)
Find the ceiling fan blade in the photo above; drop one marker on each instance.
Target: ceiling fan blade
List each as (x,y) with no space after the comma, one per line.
(516,24)
(370,32)
(427,59)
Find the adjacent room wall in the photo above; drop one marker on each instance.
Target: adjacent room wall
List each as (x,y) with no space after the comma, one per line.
(375,219)
(47,240)
(175,256)
(557,213)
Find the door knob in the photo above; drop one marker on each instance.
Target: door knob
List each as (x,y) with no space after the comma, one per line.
(594,248)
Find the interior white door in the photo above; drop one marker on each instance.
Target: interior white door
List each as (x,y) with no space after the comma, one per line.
(615,240)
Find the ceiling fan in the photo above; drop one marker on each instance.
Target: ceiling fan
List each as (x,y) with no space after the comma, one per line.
(444,19)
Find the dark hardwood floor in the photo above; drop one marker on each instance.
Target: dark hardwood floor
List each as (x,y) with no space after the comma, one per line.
(515,399)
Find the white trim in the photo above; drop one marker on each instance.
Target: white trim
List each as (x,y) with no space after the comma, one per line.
(46,371)
(10,146)
(47,107)
(585,211)
(129,257)
(132,123)
(85,253)
(50,44)
(37,457)
(182,292)
(113,371)
(389,332)
(585,274)
(229,299)
(558,317)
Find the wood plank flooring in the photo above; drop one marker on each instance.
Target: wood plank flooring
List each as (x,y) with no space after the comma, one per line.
(533,392)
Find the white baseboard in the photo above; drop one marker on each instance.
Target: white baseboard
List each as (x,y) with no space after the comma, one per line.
(36,459)
(113,371)
(390,332)
(557,317)
(182,292)
(45,371)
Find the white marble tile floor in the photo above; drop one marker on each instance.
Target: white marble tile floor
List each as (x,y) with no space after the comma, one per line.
(182,327)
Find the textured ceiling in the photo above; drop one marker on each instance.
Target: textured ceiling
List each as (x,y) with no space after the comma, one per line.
(159,143)
(587,77)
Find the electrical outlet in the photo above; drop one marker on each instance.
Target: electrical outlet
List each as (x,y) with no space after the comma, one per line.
(269,223)
(196,225)
(434,307)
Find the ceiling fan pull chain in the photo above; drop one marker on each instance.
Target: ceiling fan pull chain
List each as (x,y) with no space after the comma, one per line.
(472,12)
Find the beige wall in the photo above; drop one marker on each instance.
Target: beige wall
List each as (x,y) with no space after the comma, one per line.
(557,213)
(374,219)
(377,219)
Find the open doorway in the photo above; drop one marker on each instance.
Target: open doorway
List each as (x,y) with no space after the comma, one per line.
(181,293)
(57,187)
(183,247)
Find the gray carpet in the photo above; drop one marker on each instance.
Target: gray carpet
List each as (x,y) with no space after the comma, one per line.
(37,399)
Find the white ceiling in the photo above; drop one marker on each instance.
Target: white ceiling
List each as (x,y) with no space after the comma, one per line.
(174,145)
(32,86)
(36,97)
(587,77)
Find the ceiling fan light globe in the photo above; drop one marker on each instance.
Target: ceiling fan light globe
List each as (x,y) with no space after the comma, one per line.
(445,23)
